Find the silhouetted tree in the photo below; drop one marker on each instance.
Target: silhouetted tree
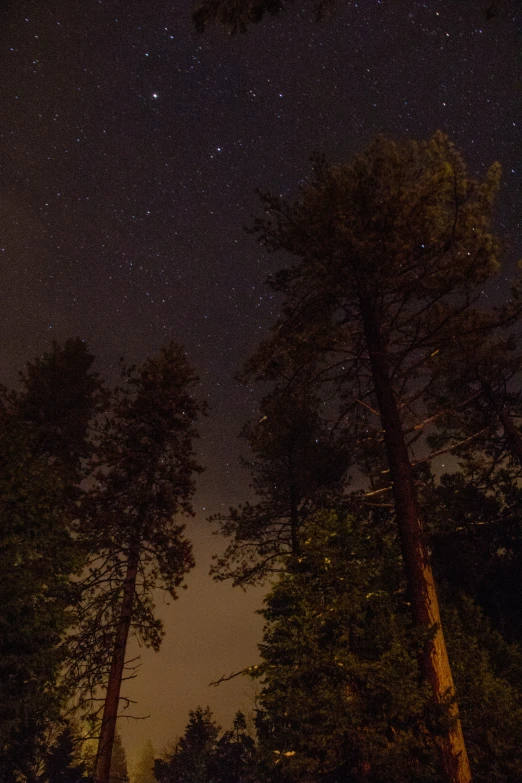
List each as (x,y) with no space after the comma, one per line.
(202,756)
(145,479)
(144,767)
(192,756)
(475,534)
(62,763)
(119,771)
(392,253)
(236,16)
(59,398)
(236,758)
(297,466)
(43,436)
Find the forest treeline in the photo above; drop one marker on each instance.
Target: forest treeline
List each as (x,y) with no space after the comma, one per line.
(385,522)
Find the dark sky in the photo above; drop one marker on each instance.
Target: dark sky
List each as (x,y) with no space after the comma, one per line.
(130,152)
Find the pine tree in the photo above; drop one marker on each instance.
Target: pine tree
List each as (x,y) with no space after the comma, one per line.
(392,252)
(144,766)
(43,436)
(203,756)
(59,398)
(37,558)
(236,759)
(297,465)
(119,772)
(62,764)
(340,693)
(475,534)
(145,478)
(192,756)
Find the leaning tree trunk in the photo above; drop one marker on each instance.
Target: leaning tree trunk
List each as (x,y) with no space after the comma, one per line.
(102,768)
(419,574)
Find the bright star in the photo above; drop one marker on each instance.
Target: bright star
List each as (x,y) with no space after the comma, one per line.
(154,94)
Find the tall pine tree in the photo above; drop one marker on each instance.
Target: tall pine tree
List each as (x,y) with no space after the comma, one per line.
(392,251)
(144,481)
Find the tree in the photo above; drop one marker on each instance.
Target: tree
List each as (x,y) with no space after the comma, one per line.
(340,694)
(62,764)
(236,16)
(144,766)
(393,250)
(60,396)
(43,436)
(37,558)
(144,479)
(192,755)
(476,538)
(476,403)
(236,758)
(119,771)
(202,756)
(476,397)
(297,466)
(339,674)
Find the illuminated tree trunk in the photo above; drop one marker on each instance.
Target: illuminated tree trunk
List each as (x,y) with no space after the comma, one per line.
(112,697)
(419,574)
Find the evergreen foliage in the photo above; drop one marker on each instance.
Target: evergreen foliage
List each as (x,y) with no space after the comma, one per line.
(392,252)
(60,397)
(191,758)
(297,466)
(144,482)
(383,351)
(119,770)
(137,466)
(62,764)
(40,452)
(476,538)
(143,771)
(237,16)
(340,674)
(202,755)
(144,469)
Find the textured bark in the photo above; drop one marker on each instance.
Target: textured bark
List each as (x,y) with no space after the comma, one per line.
(110,711)
(419,574)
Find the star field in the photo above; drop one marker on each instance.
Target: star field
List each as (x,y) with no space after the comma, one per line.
(131,149)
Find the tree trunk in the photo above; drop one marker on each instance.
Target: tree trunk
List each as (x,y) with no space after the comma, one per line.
(510,430)
(421,585)
(294,511)
(110,711)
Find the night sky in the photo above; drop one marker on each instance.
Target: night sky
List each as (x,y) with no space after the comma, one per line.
(131,149)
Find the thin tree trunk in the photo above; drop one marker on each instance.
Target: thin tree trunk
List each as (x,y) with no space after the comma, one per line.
(510,430)
(294,511)
(419,574)
(110,711)
(294,521)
